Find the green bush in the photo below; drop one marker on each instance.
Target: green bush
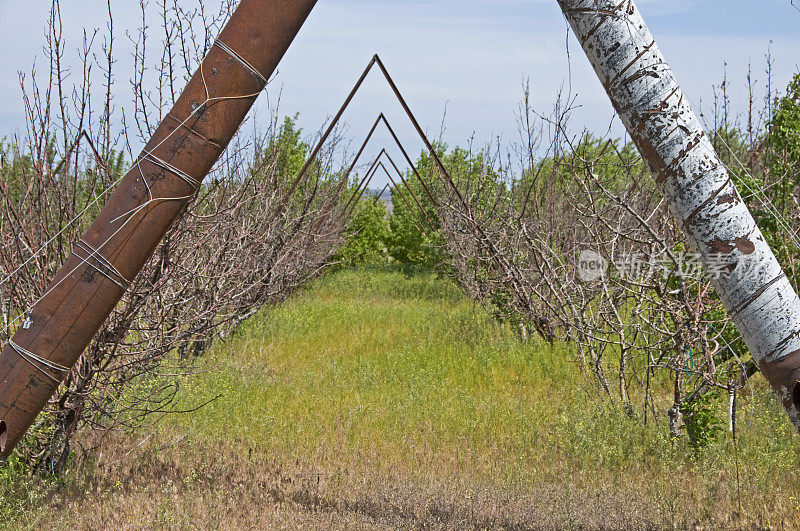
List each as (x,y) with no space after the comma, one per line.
(367,235)
(783,156)
(701,418)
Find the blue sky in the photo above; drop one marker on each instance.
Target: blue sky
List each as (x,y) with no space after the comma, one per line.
(470,56)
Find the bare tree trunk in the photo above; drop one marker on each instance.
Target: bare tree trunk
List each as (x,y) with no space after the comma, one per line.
(643,90)
(148,200)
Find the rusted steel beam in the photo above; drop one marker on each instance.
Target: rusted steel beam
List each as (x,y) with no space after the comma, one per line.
(759,298)
(367,176)
(361,149)
(381,118)
(362,189)
(420,132)
(403,197)
(408,159)
(358,193)
(445,175)
(380,194)
(405,183)
(315,152)
(165,177)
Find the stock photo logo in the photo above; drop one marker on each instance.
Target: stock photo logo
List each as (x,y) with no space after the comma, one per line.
(592,266)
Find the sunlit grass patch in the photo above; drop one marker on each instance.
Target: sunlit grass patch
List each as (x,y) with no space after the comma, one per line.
(390,397)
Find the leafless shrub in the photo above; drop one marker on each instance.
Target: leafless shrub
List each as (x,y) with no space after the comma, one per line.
(518,248)
(246,242)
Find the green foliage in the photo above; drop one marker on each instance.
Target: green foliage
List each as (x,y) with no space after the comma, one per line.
(606,159)
(17,171)
(783,159)
(410,241)
(778,181)
(20,489)
(367,235)
(701,418)
(288,149)
(415,238)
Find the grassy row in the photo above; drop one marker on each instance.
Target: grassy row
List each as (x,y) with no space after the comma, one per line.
(377,386)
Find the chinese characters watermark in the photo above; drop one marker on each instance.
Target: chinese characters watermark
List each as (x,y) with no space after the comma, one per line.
(640,266)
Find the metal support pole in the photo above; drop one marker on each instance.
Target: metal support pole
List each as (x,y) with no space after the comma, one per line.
(403,197)
(366,179)
(378,197)
(405,183)
(408,159)
(163,180)
(759,298)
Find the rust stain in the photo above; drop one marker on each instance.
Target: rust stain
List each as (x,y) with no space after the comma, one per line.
(721,247)
(783,375)
(745,246)
(741,244)
(632,62)
(642,73)
(705,203)
(649,153)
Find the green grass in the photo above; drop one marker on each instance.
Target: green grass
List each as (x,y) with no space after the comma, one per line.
(398,392)
(392,371)
(380,366)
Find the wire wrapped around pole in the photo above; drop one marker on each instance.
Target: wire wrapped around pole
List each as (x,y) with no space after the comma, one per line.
(148,200)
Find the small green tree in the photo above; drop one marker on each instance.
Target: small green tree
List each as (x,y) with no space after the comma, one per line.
(783,155)
(702,421)
(413,238)
(777,180)
(367,235)
(410,241)
(415,234)
(289,149)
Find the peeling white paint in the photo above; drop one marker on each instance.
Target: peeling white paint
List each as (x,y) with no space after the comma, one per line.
(645,93)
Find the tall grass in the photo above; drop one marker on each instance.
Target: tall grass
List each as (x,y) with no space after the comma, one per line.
(388,394)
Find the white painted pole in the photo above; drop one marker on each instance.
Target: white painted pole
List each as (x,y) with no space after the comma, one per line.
(643,90)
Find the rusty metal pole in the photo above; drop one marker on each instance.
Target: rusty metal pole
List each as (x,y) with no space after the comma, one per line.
(313,156)
(332,125)
(355,197)
(143,207)
(408,159)
(759,298)
(361,190)
(403,197)
(420,132)
(367,175)
(362,148)
(408,187)
(378,197)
